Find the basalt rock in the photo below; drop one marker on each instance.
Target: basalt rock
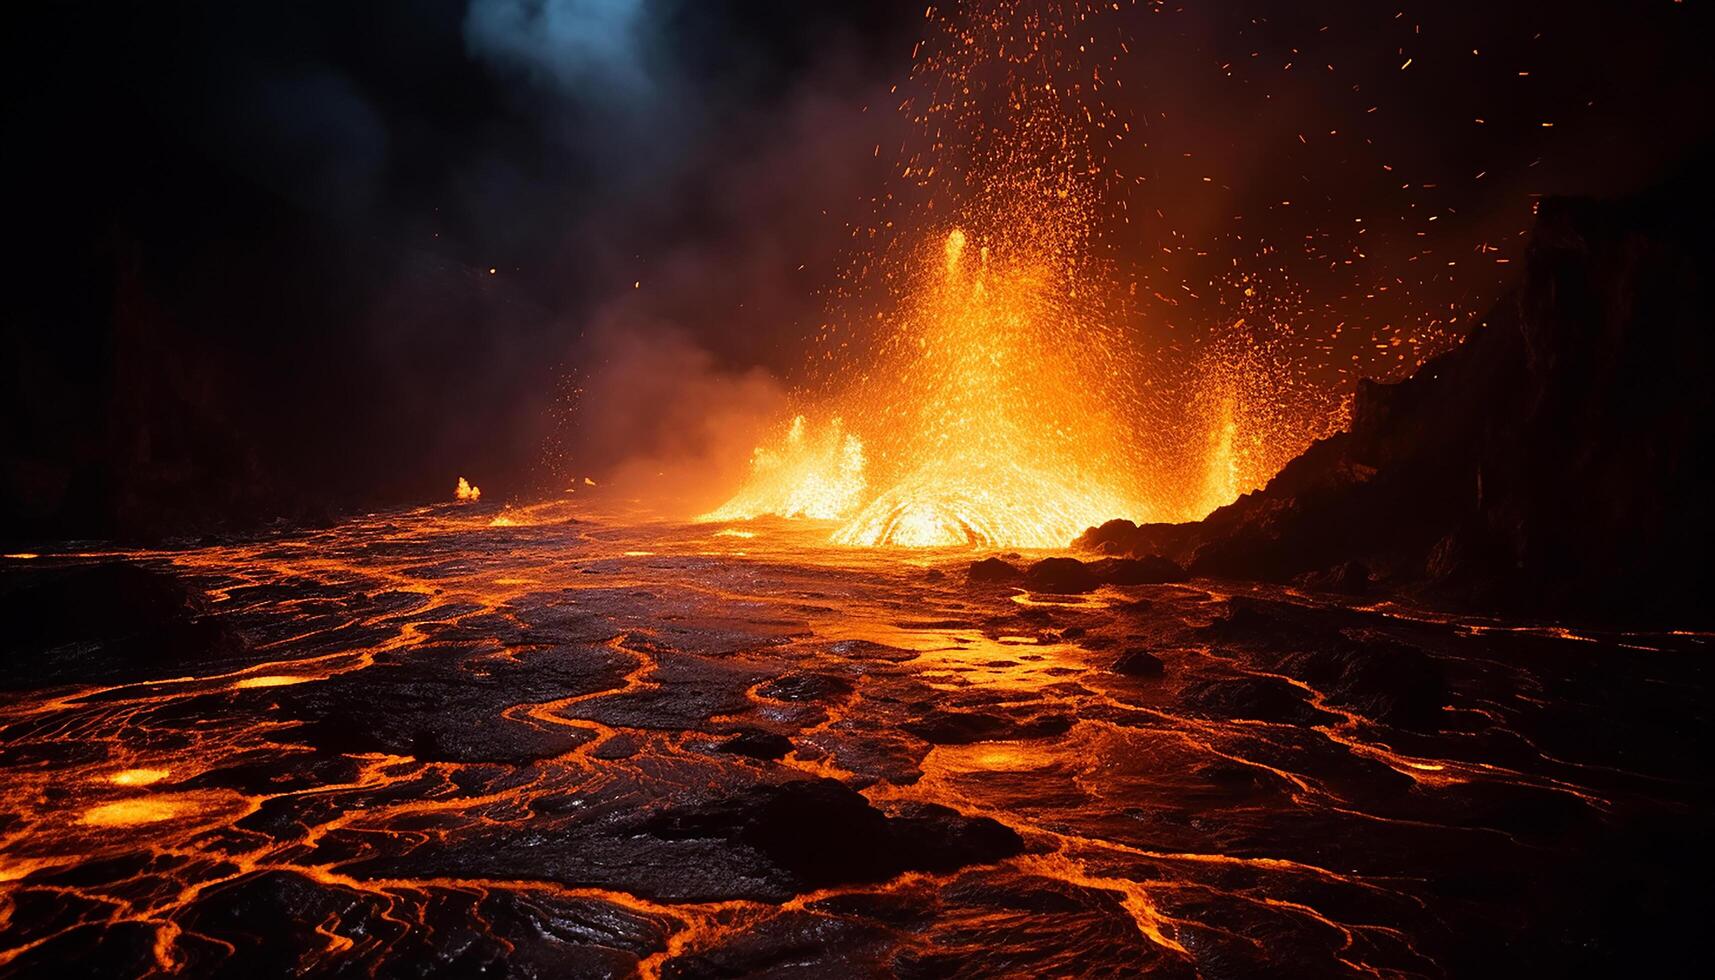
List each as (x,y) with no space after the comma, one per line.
(994,570)
(820,833)
(806,687)
(1252,698)
(966,727)
(1347,578)
(757,745)
(1069,576)
(1385,682)
(1558,461)
(1139,663)
(107,620)
(1061,576)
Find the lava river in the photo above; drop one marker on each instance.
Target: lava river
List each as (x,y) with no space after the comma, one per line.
(576,747)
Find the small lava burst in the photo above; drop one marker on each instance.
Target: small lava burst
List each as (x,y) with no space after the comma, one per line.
(137,777)
(816,474)
(467,491)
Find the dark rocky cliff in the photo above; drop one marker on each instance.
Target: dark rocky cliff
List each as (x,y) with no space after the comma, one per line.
(1556,462)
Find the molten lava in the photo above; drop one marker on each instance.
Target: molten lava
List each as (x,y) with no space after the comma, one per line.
(817,475)
(1002,442)
(467,492)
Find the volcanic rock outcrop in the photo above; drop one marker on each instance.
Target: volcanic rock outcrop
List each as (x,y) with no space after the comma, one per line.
(1558,461)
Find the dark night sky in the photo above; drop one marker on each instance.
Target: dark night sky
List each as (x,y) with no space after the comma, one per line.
(256,237)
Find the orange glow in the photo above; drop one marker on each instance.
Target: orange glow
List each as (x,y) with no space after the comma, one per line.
(1222,486)
(1003,443)
(129,813)
(817,475)
(466,491)
(137,777)
(273,680)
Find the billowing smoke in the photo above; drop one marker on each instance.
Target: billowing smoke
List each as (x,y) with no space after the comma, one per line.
(674,429)
(577,46)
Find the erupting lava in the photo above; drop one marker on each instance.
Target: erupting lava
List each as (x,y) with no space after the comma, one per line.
(466,491)
(991,411)
(999,433)
(818,476)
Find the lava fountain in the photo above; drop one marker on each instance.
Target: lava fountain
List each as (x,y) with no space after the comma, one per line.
(990,410)
(1001,442)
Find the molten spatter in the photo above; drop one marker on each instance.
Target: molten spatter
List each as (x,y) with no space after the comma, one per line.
(818,475)
(1221,481)
(467,492)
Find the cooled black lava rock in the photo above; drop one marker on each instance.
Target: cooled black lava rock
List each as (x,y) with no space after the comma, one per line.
(431,706)
(964,727)
(275,915)
(1061,576)
(796,942)
(1255,698)
(106,620)
(758,745)
(1346,578)
(1388,682)
(993,570)
(806,687)
(92,602)
(1139,663)
(821,833)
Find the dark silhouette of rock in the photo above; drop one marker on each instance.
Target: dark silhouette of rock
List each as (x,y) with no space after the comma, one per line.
(1061,576)
(965,727)
(1255,698)
(1558,461)
(1069,576)
(1139,663)
(1347,578)
(1385,682)
(53,606)
(106,620)
(821,833)
(993,570)
(758,745)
